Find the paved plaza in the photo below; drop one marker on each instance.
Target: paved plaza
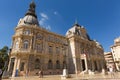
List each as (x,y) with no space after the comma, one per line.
(73,77)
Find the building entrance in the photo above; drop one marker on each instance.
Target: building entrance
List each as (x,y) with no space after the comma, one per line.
(11,66)
(83,64)
(95,65)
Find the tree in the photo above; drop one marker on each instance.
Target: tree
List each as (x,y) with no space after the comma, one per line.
(3,58)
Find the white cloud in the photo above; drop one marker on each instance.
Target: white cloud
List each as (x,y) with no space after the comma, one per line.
(43,21)
(43,15)
(48,27)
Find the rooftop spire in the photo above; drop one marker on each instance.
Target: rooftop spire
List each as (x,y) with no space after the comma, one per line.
(76,23)
(31,10)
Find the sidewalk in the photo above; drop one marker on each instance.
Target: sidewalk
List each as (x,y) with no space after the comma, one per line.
(74,77)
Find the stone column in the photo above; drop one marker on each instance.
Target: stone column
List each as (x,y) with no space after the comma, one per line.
(15,67)
(18,64)
(98,66)
(86,66)
(9,65)
(75,64)
(93,66)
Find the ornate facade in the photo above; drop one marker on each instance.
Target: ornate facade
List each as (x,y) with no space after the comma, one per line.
(35,48)
(115,49)
(109,60)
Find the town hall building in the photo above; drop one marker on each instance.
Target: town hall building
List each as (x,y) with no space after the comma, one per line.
(35,48)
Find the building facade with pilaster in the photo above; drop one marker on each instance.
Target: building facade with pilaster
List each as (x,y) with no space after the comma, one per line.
(35,48)
(115,49)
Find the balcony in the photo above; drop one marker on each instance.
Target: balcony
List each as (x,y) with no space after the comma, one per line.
(21,51)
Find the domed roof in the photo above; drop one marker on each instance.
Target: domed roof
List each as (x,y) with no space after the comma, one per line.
(78,30)
(29,19)
(117,40)
(75,29)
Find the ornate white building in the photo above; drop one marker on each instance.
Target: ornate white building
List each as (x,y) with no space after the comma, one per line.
(115,49)
(35,48)
(109,60)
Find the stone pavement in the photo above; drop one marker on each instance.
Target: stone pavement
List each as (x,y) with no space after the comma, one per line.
(73,77)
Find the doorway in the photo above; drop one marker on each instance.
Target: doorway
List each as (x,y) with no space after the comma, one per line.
(83,64)
(11,66)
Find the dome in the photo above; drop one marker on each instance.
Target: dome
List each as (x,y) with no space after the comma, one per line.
(74,30)
(117,40)
(29,19)
(79,31)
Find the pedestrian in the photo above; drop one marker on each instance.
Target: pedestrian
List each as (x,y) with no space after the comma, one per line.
(0,74)
(26,73)
(40,73)
(111,71)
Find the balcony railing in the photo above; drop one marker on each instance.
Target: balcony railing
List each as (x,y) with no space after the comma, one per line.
(21,50)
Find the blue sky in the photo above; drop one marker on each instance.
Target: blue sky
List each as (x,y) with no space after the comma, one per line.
(101,18)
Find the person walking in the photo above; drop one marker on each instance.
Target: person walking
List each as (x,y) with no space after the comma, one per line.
(41,74)
(111,72)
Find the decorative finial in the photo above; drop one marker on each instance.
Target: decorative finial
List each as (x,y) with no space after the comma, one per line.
(31,10)
(76,22)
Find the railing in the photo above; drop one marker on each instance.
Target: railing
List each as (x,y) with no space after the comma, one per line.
(21,50)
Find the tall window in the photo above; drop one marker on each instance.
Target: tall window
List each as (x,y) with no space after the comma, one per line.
(50,49)
(57,50)
(22,66)
(37,64)
(16,45)
(50,64)
(26,44)
(57,64)
(39,47)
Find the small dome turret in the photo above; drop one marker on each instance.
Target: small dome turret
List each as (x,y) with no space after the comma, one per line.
(78,30)
(117,40)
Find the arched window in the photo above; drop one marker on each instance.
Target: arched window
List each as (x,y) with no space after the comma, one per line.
(50,64)
(16,45)
(57,64)
(37,64)
(26,44)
